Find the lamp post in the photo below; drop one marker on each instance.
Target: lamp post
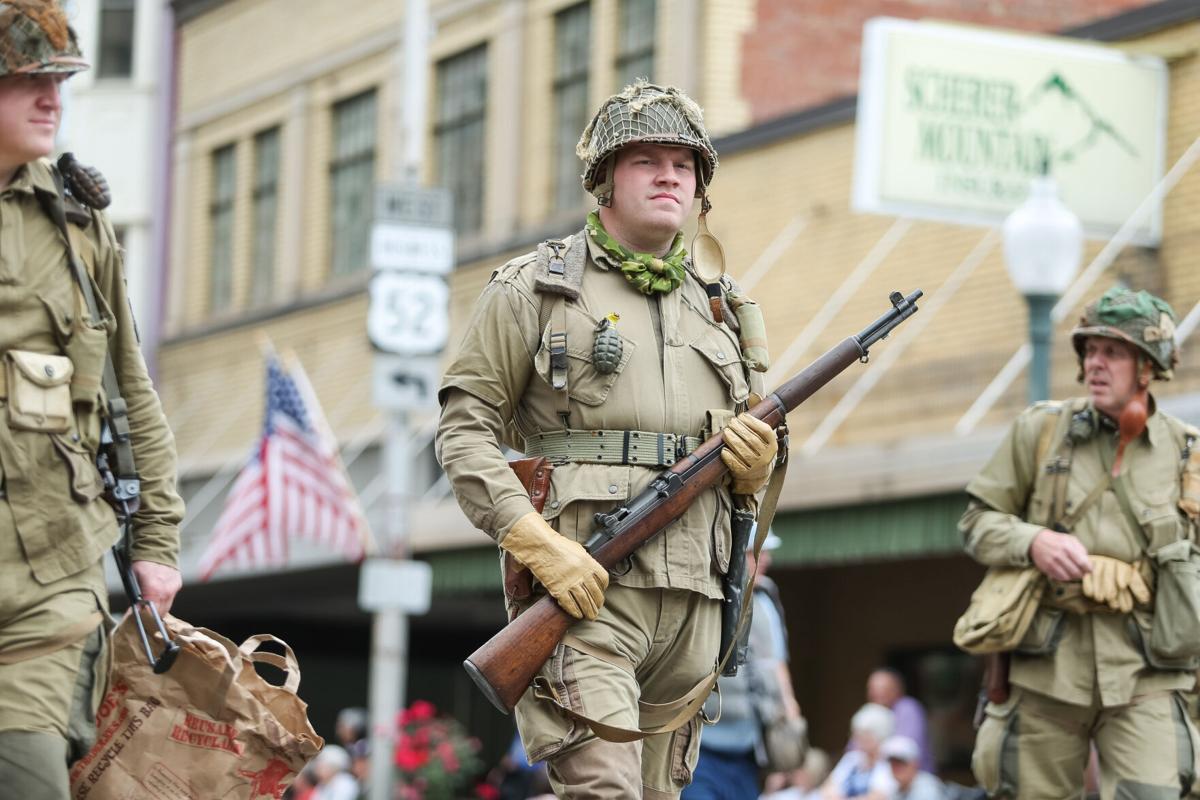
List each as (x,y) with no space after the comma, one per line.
(1043,245)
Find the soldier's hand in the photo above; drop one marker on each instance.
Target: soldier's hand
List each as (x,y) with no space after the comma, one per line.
(158,582)
(1059,556)
(750,449)
(562,565)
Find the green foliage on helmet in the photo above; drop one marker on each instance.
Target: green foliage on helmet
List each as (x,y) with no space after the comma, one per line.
(643,112)
(35,38)
(1145,321)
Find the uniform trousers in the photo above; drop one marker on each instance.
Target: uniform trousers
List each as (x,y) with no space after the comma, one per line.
(47,702)
(1034,747)
(651,645)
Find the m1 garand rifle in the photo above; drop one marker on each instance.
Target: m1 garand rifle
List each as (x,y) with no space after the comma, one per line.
(508,662)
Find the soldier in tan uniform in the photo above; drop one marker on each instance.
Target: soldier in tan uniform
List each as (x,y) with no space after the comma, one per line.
(1099,495)
(54,524)
(603,352)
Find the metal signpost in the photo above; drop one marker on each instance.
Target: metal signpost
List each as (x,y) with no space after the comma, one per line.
(412,250)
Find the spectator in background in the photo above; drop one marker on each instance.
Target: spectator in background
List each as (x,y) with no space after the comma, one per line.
(912,783)
(360,766)
(885,686)
(804,783)
(863,772)
(351,726)
(334,781)
(732,751)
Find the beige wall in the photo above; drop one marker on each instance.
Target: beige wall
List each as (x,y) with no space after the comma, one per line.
(295,59)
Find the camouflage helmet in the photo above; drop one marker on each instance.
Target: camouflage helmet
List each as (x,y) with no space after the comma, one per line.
(35,39)
(1140,318)
(643,112)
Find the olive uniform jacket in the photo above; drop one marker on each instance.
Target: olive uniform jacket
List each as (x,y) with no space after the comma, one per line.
(678,364)
(1082,656)
(52,485)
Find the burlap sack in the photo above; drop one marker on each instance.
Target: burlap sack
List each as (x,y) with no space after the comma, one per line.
(210,727)
(1001,610)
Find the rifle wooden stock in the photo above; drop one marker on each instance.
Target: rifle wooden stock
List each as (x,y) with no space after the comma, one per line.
(506,664)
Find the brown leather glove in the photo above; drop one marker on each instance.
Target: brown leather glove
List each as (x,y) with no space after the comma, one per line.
(569,573)
(1116,584)
(750,449)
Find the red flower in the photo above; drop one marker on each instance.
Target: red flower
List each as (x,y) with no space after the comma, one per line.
(419,711)
(485,791)
(410,759)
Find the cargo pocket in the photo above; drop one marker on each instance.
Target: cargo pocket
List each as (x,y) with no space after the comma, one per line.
(1044,632)
(685,751)
(1175,631)
(545,730)
(726,358)
(86,485)
(994,761)
(722,531)
(585,383)
(579,491)
(1186,743)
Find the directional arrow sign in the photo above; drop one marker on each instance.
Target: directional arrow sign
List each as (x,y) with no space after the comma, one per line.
(405,383)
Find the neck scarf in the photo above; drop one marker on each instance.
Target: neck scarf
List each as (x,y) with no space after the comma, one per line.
(645,272)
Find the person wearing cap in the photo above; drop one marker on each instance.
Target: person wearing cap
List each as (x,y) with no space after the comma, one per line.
(1100,495)
(732,752)
(903,754)
(606,336)
(54,523)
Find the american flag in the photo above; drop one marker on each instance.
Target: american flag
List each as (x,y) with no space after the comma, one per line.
(294,486)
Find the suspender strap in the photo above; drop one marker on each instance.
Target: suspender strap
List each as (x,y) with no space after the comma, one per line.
(127,484)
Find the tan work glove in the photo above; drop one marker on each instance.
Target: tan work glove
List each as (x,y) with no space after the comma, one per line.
(569,573)
(750,449)
(1115,583)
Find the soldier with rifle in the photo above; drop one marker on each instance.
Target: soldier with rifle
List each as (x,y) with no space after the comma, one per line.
(1092,504)
(73,387)
(628,372)
(609,355)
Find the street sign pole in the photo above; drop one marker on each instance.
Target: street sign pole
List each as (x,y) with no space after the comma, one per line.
(389,631)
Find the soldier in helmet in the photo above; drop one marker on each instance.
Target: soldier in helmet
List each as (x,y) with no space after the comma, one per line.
(55,341)
(1099,495)
(603,353)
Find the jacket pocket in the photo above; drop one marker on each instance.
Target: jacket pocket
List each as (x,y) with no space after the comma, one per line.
(86,485)
(726,359)
(39,392)
(579,491)
(585,383)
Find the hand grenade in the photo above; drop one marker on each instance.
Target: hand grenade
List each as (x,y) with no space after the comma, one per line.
(608,346)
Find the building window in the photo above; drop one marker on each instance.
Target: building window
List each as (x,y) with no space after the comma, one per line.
(266,194)
(116,39)
(572,30)
(458,133)
(220,215)
(352,179)
(635,41)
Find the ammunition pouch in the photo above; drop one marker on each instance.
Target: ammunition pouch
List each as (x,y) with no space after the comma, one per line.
(1001,611)
(1175,631)
(39,391)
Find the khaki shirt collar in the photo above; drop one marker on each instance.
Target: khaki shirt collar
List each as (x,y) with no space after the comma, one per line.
(598,255)
(34,175)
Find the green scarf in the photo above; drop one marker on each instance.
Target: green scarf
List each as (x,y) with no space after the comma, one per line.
(646,273)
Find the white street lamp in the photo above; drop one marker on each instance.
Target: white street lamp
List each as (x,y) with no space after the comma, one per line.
(1043,245)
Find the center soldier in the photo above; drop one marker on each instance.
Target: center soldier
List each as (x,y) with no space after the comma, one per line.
(603,353)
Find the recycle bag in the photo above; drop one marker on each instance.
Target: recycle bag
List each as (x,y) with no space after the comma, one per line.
(210,727)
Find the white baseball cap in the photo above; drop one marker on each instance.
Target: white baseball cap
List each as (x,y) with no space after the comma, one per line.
(901,748)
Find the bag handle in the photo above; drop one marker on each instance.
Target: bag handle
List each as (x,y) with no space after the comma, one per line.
(286,662)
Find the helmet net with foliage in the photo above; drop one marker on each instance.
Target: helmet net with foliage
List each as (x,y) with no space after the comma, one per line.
(644,112)
(1140,318)
(35,38)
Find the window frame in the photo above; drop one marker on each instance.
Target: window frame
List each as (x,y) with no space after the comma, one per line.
(460,132)
(222,206)
(351,165)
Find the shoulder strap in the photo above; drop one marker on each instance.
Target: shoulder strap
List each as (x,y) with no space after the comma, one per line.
(559,278)
(127,486)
